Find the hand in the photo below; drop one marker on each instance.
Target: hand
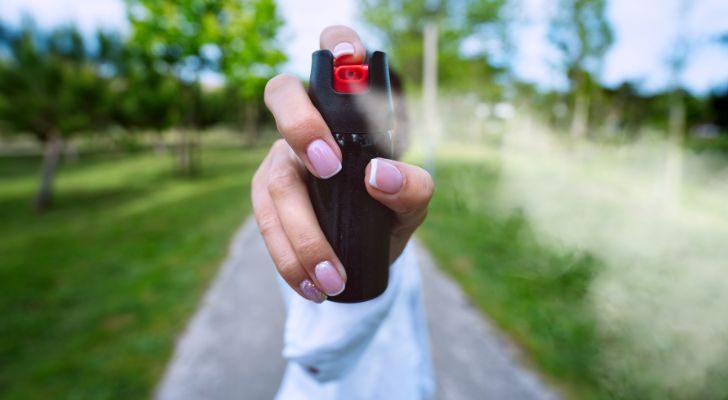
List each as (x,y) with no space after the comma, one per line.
(281,203)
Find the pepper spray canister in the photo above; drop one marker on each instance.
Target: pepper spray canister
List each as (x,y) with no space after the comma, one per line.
(356,103)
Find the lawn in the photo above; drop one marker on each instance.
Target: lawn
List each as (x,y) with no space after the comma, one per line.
(571,254)
(533,293)
(95,291)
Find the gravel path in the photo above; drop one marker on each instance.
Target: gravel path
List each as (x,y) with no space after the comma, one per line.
(231,348)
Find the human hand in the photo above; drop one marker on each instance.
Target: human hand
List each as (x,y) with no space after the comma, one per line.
(281,203)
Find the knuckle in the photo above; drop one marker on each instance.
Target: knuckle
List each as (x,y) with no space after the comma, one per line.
(282,181)
(277,82)
(308,246)
(255,181)
(267,223)
(290,269)
(423,187)
(256,188)
(428,186)
(279,145)
(407,208)
(259,176)
(304,123)
(420,189)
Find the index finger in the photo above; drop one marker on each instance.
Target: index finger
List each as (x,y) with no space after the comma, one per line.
(300,123)
(344,43)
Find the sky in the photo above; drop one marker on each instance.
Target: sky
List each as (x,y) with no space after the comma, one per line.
(644,31)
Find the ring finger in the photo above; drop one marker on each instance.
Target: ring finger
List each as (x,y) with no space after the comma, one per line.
(289,195)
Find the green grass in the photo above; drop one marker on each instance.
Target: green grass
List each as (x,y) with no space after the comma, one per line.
(95,290)
(599,284)
(535,293)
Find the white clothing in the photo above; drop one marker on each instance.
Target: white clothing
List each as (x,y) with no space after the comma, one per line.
(377,349)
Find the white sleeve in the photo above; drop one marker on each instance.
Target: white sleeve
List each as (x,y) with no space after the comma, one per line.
(327,339)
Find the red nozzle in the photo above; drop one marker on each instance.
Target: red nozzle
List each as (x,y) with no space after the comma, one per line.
(351,78)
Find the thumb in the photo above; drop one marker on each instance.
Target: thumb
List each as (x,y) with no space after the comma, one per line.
(405,189)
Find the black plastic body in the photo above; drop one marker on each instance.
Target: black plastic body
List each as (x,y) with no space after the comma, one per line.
(357,226)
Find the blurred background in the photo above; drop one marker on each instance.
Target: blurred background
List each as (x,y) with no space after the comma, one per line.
(580,148)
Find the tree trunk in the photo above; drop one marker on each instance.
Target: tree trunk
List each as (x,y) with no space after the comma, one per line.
(677,119)
(188,149)
(188,153)
(195,152)
(580,120)
(183,153)
(70,153)
(160,145)
(52,152)
(674,167)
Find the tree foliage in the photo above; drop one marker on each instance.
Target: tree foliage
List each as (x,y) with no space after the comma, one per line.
(59,82)
(580,32)
(49,83)
(401,24)
(50,86)
(188,38)
(235,38)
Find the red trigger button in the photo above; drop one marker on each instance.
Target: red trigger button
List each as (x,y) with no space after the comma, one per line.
(351,78)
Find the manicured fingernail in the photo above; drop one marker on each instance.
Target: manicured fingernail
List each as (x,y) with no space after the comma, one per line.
(343,49)
(323,159)
(311,292)
(329,278)
(385,176)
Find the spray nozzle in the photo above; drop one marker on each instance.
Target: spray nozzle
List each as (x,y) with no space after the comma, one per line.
(351,78)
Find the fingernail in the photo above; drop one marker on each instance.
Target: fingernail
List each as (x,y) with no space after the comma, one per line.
(329,278)
(343,49)
(385,176)
(323,159)
(311,292)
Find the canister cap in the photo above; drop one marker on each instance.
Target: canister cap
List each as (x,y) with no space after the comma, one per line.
(352,98)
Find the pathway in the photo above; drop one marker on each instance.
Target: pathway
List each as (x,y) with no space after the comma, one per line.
(231,348)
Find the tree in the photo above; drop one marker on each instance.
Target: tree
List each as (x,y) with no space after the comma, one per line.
(718,107)
(401,25)
(49,87)
(580,32)
(628,108)
(146,97)
(249,57)
(677,60)
(190,37)
(718,99)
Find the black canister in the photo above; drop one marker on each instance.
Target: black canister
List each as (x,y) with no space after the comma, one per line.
(356,103)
